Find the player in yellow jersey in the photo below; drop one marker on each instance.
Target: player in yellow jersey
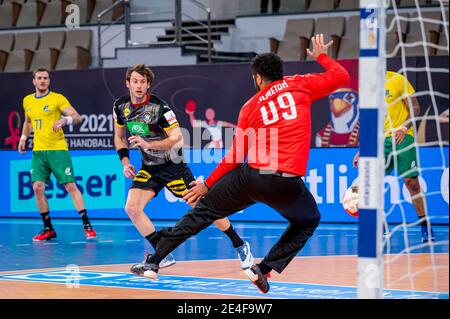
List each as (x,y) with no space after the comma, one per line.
(399,149)
(45,113)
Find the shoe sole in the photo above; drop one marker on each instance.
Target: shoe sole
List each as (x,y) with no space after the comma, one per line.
(150,275)
(48,239)
(253,277)
(251,262)
(168,265)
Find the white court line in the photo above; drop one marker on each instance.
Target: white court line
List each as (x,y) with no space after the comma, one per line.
(324,235)
(78,242)
(192,238)
(46,244)
(215,237)
(21,245)
(246,237)
(350,235)
(132,240)
(106,241)
(270,237)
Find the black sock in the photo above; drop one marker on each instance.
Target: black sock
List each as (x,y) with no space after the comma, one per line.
(84,218)
(424,223)
(46,219)
(234,237)
(264,268)
(152,239)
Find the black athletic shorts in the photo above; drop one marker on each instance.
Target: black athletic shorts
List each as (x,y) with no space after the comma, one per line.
(176,177)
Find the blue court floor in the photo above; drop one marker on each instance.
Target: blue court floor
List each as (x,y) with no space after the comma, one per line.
(118,242)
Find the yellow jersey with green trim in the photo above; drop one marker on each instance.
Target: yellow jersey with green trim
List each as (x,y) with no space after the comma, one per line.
(398,89)
(43,112)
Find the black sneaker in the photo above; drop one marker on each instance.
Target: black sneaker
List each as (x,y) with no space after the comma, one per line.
(146,269)
(258,278)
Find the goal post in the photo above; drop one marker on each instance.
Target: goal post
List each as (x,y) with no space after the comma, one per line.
(403,87)
(372,70)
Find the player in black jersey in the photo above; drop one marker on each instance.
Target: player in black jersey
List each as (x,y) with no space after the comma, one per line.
(155,131)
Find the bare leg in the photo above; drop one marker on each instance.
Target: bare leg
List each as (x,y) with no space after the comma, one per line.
(136,201)
(413,186)
(41,199)
(223,224)
(75,194)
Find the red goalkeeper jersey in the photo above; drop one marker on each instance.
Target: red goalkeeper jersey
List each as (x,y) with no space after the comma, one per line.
(274,127)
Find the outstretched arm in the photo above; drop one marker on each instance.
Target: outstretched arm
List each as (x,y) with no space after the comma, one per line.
(228,124)
(322,84)
(192,118)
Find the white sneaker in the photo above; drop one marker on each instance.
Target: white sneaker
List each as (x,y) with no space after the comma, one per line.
(168,261)
(245,256)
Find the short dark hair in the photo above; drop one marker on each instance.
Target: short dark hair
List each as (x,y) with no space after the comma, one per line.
(142,70)
(269,66)
(40,70)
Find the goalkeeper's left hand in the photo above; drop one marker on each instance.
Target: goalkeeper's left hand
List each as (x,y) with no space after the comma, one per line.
(194,194)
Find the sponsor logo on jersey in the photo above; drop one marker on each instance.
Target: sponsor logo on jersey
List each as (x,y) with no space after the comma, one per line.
(170,117)
(137,129)
(67,171)
(147,117)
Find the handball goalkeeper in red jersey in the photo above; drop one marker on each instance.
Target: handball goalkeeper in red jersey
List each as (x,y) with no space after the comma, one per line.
(265,164)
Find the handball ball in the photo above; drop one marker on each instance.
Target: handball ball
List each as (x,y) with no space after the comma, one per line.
(190,106)
(350,201)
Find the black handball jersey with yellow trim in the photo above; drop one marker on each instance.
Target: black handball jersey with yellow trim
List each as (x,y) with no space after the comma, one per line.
(151,120)
(43,112)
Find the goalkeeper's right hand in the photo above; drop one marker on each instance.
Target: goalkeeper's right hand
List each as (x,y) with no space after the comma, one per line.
(129,171)
(351,201)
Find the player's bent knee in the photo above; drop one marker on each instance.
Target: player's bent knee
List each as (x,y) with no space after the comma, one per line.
(71,187)
(413,185)
(38,188)
(132,211)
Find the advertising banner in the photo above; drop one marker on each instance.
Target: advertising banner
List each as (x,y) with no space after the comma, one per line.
(100,178)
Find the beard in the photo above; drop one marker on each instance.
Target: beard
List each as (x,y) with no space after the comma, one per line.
(257,89)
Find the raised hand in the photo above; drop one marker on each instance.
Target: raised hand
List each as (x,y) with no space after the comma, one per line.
(319,46)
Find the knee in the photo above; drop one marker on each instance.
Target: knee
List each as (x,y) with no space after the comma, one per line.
(413,185)
(39,188)
(71,187)
(133,211)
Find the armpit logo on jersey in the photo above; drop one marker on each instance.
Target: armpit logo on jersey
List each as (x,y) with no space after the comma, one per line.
(170,117)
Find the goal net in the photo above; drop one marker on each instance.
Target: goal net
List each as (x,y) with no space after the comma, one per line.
(403,167)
